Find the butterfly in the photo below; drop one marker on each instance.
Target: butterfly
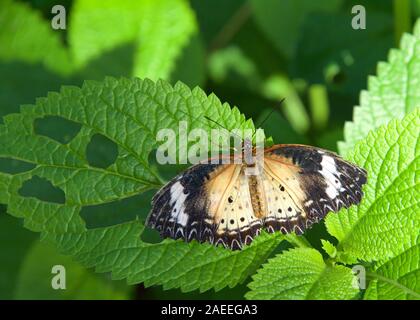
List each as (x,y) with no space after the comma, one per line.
(222,205)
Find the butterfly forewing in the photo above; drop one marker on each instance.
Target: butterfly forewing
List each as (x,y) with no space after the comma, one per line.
(223,205)
(326,181)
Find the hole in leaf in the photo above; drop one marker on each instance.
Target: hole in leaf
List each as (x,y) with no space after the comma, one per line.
(150,235)
(101,152)
(112,213)
(57,128)
(13,166)
(43,190)
(316,232)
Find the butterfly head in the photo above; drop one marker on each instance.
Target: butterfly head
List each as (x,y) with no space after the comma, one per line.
(248,151)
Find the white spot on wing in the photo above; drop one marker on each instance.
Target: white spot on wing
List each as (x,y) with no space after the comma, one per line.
(329,172)
(308,203)
(178,197)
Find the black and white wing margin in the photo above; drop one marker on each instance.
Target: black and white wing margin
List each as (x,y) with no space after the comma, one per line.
(179,209)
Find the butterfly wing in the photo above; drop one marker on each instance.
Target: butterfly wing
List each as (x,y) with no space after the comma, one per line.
(208,203)
(304,183)
(221,204)
(179,209)
(230,207)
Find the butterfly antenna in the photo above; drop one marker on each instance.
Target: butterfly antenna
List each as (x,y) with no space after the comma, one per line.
(199,119)
(211,120)
(266,118)
(214,121)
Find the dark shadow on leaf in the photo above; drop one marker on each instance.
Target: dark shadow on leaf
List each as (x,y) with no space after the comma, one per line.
(317,232)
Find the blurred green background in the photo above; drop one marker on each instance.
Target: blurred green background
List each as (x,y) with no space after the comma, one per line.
(249,53)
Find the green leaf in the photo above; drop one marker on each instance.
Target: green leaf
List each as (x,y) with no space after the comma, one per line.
(129,113)
(402,18)
(301,274)
(160,30)
(391,94)
(329,248)
(387,221)
(397,278)
(319,105)
(282,20)
(35,278)
(27,37)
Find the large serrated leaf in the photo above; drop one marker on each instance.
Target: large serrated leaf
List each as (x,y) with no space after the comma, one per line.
(129,113)
(301,274)
(387,222)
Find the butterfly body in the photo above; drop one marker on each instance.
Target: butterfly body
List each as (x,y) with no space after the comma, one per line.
(228,204)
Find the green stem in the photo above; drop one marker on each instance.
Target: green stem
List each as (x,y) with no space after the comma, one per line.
(402,18)
(297,241)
